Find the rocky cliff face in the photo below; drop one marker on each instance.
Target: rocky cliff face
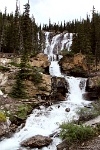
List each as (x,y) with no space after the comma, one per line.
(74,65)
(59,88)
(93,88)
(41,60)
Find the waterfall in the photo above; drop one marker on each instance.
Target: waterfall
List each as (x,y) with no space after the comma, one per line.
(45,121)
(55,69)
(76,92)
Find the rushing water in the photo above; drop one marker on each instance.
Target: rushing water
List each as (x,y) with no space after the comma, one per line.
(45,121)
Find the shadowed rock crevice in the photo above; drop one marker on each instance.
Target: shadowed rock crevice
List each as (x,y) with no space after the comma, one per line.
(59,88)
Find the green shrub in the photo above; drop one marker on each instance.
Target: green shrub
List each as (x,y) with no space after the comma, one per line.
(33,74)
(2,68)
(23,111)
(98,129)
(36,75)
(38,69)
(65,52)
(2,117)
(42,88)
(14,64)
(18,89)
(76,133)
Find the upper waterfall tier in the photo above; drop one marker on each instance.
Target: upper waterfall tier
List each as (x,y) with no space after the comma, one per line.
(56,43)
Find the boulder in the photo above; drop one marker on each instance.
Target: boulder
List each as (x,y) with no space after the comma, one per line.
(67,109)
(37,141)
(59,88)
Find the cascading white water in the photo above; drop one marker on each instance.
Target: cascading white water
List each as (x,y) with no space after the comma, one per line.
(76,93)
(55,69)
(45,121)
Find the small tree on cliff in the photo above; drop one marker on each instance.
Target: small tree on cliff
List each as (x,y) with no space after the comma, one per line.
(18,90)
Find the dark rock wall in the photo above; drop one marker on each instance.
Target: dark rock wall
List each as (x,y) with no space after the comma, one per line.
(59,88)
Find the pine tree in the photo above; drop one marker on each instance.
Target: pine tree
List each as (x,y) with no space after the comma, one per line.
(26,31)
(93,37)
(3,32)
(16,33)
(34,35)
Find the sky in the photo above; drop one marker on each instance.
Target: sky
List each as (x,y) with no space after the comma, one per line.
(55,10)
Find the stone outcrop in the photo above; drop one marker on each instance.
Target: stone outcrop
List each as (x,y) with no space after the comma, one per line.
(7,80)
(59,88)
(74,65)
(41,60)
(4,128)
(43,88)
(6,58)
(37,141)
(92,88)
(93,122)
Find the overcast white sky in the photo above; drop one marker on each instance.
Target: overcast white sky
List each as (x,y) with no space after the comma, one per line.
(56,10)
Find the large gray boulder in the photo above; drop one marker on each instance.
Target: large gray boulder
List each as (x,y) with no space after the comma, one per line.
(37,141)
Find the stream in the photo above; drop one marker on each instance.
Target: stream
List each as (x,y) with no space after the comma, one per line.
(46,121)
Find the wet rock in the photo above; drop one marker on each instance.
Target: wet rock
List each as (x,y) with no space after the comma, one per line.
(60,97)
(59,88)
(82,84)
(63,146)
(37,141)
(58,106)
(93,87)
(67,109)
(55,134)
(90,96)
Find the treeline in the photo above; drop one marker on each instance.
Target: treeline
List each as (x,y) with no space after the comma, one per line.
(16,28)
(86,34)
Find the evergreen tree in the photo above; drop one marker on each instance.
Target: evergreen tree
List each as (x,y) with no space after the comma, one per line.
(16,33)
(26,37)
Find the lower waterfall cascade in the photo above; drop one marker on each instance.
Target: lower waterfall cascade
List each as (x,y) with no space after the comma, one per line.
(46,121)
